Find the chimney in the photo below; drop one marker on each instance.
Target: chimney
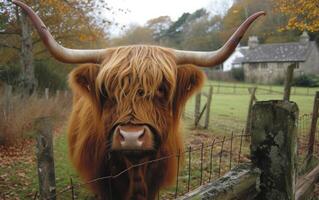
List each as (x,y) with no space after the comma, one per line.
(253,42)
(304,38)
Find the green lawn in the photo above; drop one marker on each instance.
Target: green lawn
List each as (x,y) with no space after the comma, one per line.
(229,110)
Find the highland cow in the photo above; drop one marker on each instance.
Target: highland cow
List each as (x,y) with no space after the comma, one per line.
(127,104)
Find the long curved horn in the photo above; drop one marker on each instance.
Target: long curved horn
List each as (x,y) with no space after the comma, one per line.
(211,58)
(59,52)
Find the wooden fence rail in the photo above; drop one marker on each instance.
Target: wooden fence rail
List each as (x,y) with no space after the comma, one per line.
(272,174)
(238,89)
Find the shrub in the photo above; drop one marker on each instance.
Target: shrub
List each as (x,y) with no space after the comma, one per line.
(48,74)
(238,74)
(306,81)
(17,124)
(9,74)
(47,77)
(279,80)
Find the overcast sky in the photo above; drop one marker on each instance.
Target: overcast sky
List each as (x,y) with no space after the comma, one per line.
(143,10)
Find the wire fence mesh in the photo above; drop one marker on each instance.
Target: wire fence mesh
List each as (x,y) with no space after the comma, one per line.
(200,164)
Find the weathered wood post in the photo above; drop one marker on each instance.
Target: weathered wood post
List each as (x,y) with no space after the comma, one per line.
(209,101)
(46,93)
(288,81)
(65,93)
(306,185)
(197,107)
(274,147)
(313,127)
(57,95)
(252,92)
(200,115)
(45,159)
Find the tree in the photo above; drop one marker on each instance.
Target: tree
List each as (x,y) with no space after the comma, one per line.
(268,29)
(302,14)
(202,34)
(72,23)
(135,35)
(28,80)
(175,34)
(159,26)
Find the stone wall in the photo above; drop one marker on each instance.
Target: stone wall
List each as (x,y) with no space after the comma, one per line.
(311,66)
(265,72)
(275,72)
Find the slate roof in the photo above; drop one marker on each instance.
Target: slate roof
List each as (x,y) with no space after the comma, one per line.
(277,52)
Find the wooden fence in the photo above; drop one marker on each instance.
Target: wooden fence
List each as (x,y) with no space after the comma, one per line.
(241,89)
(252,91)
(271,174)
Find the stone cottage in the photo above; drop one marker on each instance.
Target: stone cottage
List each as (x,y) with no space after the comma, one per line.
(267,63)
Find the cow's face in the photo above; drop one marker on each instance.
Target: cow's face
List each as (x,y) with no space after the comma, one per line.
(137,94)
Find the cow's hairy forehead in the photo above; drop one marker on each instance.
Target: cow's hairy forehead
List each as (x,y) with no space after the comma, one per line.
(132,68)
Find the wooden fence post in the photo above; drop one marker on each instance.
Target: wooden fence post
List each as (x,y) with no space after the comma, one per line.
(197,107)
(313,127)
(209,100)
(200,115)
(252,92)
(46,93)
(288,81)
(65,93)
(45,159)
(57,95)
(274,147)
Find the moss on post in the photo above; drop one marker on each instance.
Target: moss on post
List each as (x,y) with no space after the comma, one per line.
(273,148)
(45,159)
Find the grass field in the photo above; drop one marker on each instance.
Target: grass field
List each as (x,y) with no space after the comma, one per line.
(18,178)
(229,110)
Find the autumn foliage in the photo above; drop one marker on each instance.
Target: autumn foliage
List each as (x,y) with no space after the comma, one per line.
(302,14)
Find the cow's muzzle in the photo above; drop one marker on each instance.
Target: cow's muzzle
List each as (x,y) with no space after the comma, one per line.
(131,137)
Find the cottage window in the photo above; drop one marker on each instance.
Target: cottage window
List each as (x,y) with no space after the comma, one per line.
(263,66)
(253,66)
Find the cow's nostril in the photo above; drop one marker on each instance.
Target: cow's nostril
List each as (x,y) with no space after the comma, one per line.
(122,138)
(141,136)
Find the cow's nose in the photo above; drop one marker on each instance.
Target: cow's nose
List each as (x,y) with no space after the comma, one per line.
(133,137)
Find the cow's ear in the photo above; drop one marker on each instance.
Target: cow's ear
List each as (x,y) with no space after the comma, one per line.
(82,81)
(189,80)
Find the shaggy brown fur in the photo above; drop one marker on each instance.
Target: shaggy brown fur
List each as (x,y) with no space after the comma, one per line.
(138,85)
